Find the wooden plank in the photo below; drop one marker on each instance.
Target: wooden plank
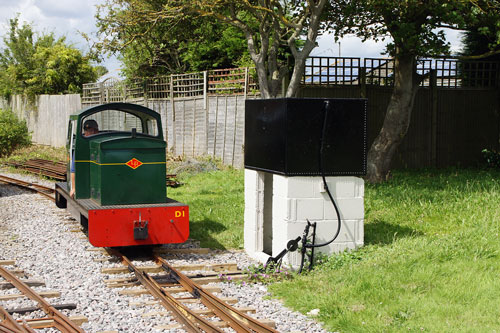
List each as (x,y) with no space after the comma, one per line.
(204,312)
(48,322)
(17,272)
(195,250)
(142,291)
(129,282)
(211,279)
(7,262)
(46,294)
(123,269)
(228,300)
(70,306)
(208,267)
(102,259)
(31,283)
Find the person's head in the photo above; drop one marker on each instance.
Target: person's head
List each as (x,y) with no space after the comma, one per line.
(90,127)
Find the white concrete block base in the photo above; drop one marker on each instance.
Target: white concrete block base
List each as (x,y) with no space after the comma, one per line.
(277,209)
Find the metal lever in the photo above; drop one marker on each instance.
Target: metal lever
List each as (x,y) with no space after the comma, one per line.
(291,246)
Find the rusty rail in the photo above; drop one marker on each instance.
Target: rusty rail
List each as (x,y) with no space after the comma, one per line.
(44,190)
(193,322)
(9,324)
(238,320)
(55,170)
(61,322)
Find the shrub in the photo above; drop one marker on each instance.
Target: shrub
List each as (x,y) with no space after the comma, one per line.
(492,158)
(13,133)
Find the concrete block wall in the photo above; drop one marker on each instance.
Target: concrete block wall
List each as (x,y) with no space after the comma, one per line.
(294,200)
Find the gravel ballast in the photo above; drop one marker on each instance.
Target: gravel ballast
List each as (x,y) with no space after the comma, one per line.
(37,235)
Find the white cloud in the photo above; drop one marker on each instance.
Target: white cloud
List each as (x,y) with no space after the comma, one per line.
(352,46)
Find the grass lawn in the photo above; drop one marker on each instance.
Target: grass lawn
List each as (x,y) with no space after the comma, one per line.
(216,204)
(430,263)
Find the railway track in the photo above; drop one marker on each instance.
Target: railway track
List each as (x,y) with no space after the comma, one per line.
(212,314)
(55,170)
(215,314)
(43,190)
(54,317)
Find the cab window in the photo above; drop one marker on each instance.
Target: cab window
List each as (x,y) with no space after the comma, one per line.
(109,121)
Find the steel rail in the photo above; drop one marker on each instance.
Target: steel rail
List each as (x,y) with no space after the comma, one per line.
(61,322)
(47,168)
(238,320)
(44,190)
(9,324)
(192,322)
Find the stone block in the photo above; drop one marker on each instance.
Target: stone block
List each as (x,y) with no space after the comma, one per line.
(300,187)
(311,209)
(350,209)
(340,187)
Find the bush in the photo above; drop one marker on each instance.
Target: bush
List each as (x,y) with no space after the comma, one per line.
(492,158)
(13,133)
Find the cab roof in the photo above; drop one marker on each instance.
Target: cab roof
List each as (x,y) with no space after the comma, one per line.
(137,110)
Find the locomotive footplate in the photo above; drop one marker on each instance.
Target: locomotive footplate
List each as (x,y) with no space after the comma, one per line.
(130,225)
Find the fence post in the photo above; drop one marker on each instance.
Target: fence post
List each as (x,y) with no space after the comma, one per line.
(145,92)
(434,111)
(101,93)
(205,88)
(124,92)
(362,82)
(245,88)
(171,96)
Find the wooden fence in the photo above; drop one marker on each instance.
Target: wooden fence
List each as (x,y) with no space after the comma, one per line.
(456,112)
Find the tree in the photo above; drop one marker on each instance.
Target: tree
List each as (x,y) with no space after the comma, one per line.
(481,40)
(414,26)
(267,26)
(149,46)
(35,64)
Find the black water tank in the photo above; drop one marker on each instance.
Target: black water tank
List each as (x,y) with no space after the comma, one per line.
(283,136)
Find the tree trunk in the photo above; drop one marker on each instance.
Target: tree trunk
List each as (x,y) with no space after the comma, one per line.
(397,119)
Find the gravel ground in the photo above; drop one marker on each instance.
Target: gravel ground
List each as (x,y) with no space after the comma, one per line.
(37,235)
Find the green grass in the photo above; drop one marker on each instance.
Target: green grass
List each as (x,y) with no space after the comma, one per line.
(216,207)
(430,263)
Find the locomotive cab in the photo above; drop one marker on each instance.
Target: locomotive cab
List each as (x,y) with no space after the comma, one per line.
(117,173)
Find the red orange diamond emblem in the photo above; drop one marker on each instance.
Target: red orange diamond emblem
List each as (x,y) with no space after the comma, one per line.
(134,163)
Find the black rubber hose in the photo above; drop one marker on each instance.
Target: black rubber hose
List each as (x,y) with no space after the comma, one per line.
(321,170)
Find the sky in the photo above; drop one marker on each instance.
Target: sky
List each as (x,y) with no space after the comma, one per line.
(68,17)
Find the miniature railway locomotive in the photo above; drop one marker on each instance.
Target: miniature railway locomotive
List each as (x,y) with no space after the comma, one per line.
(116,178)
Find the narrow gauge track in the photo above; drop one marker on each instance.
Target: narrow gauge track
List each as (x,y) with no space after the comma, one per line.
(44,190)
(55,170)
(55,318)
(190,320)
